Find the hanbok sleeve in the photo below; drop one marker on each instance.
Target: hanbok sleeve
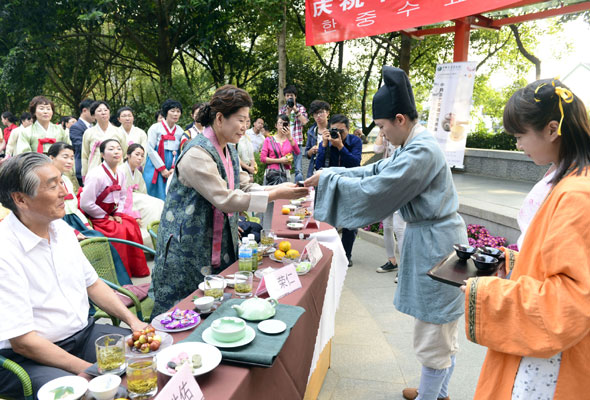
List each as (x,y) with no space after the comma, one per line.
(23,144)
(89,195)
(197,169)
(539,317)
(123,195)
(356,197)
(86,139)
(152,143)
(63,136)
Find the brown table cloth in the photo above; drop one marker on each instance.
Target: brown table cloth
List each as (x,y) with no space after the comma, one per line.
(279,222)
(287,378)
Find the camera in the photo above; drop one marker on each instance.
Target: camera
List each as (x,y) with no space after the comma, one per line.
(334,133)
(290,103)
(285,124)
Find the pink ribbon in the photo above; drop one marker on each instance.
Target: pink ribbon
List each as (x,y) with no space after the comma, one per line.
(217,214)
(92,151)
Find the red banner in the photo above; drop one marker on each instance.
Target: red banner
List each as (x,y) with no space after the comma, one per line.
(336,20)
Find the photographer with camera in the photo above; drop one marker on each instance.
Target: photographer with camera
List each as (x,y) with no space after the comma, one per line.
(278,152)
(320,111)
(339,149)
(298,115)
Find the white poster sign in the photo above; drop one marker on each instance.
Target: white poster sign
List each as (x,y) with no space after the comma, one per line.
(450,106)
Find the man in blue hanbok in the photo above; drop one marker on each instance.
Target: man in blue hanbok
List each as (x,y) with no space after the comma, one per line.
(417,181)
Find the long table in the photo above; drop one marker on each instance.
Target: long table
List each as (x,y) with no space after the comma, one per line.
(288,376)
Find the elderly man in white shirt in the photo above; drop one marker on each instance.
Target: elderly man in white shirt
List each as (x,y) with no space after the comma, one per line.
(45,280)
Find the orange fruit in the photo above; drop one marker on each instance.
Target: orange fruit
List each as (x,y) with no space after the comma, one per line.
(285,246)
(285,211)
(292,254)
(279,254)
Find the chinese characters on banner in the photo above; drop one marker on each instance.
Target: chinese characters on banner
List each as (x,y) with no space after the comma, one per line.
(336,20)
(450,105)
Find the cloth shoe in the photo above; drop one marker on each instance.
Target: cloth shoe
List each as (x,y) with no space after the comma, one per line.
(396,276)
(387,267)
(349,262)
(412,393)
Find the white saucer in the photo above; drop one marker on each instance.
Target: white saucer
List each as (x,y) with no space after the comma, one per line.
(208,338)
(295,225)
(77,383)
(272,326)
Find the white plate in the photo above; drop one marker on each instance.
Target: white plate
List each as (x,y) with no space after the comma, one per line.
(261,272)
(210,356)
(167,340)
(272,257)
(295,225)
(159,327)
(79,384)
(272,326)
(202,285)
(208,338)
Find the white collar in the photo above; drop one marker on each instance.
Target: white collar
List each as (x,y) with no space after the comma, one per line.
(416,130)
(24,235)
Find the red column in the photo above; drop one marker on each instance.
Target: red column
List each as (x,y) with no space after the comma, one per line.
(462,29)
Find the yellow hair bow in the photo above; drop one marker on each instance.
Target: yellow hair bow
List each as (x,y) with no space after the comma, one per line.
(562,94)
(567,96)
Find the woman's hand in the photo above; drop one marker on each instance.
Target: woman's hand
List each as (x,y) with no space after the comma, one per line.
(166,173)
(288,191)
(118,219)
(111,218)
(81,237)
(138,220)
(313,180)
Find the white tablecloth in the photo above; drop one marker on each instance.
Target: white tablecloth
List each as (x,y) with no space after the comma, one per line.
(331,240)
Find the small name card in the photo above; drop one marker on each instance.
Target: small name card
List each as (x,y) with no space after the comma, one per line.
(282,281)
(182,386)
(313,251)
(311,224)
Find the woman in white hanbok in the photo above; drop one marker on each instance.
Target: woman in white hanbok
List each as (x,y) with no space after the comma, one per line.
(95,135)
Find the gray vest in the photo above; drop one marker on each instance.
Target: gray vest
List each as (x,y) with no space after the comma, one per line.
(185,235)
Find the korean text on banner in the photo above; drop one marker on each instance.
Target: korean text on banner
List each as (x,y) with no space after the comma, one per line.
(336,20)
(450,106)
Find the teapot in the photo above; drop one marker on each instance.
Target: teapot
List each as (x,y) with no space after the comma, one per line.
(256,309)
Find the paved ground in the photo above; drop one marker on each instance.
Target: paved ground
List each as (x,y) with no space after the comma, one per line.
(372,355)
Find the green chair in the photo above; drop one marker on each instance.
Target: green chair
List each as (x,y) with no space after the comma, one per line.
(98,253)
(21,374)
(153,231)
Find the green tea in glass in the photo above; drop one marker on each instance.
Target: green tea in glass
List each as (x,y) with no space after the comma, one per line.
(110,354)
(142,377)
(214,285)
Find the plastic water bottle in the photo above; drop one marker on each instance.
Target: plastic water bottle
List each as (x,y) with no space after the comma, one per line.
(255,256)
(245,256)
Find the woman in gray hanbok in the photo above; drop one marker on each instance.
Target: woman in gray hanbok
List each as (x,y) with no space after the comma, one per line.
(198,232)
(417,181)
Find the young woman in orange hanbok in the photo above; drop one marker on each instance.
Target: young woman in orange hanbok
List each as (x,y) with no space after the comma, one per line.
(536,324)
(103,199)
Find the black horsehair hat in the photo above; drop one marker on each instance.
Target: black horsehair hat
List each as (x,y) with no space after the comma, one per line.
(395,96)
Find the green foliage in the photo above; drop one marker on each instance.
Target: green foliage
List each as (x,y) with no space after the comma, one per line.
(493,141)
(259,177)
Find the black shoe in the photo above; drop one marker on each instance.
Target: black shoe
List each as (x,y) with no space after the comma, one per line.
(387,267)
(349,262)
